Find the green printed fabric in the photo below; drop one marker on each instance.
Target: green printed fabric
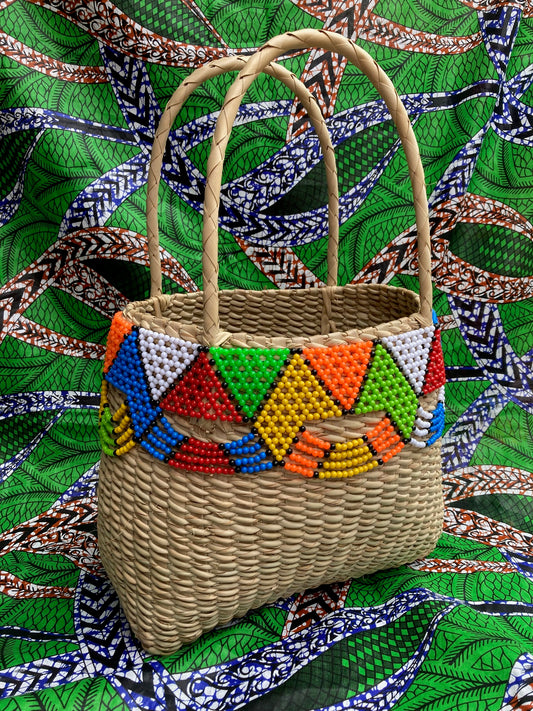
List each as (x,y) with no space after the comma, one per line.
(82,86)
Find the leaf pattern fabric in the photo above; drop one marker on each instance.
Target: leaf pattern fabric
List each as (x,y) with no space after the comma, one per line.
(82,86)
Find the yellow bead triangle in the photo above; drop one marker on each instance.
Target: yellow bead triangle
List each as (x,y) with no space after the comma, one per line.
(298,398)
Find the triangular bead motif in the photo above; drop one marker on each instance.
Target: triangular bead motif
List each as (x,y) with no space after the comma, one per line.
(341,369)
(120,328)
(127,375)
(297,398)
(386,388)
(200,393)
(411,352)
(249,372)
(435,375)
(164,359)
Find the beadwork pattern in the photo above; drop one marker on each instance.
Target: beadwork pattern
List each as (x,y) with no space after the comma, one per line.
(249,372)
(201,394)
(297,398)
(342,368)
(164,359)
(411,352)
(429,426)
(120,328)
(279,392)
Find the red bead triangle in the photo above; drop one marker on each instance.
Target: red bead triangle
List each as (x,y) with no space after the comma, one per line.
(435,375)
(199,393)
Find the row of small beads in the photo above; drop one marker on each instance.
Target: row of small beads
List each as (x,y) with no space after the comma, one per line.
(437,424)
(355,458)
(160,442)
(205,457)
(383,440)
(321,459)
(212,458)
(429,426)
(112,434)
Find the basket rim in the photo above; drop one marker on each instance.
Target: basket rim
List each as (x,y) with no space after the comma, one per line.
(143,315)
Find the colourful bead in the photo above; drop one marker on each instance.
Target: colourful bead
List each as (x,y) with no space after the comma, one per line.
(249,372)
(199,393)
(120,328)
(287,388)
(435,374)
(298,397)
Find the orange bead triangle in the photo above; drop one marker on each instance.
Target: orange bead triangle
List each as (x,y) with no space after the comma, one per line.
(120,328)
(435,374)
(341,369)
(199,393)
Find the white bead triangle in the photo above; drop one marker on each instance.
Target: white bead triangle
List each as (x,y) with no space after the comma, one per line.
(411,352)
(164,359)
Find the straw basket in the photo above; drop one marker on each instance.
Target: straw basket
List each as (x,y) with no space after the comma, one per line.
(257,443)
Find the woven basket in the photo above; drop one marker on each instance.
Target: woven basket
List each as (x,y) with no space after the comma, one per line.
(256,444)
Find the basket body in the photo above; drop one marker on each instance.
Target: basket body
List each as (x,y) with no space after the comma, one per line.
(193,541)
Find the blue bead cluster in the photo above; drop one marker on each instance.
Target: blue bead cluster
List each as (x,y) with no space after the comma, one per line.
(169,435)
(265,466)
(437,424)
(239,445)
(152,450)
(127,375)
(164,438)
(247,465)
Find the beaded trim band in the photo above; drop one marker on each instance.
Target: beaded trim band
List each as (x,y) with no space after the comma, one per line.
(279,392)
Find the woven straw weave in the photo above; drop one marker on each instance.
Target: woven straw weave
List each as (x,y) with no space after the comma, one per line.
(187,551)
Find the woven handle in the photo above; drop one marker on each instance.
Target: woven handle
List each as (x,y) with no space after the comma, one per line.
(174,105)
(305,39)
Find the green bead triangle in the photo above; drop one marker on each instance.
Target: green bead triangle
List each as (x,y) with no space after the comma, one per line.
(386,388)
(249,372)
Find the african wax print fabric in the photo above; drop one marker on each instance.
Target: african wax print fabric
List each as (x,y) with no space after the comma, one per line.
(82,85)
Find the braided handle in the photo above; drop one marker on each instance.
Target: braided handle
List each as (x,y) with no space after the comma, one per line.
(174,105)
(305,39)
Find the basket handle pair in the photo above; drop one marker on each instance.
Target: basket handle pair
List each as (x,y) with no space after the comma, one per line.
(257,63)
(172,109)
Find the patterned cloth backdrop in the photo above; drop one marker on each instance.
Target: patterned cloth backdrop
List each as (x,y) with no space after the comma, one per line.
(82,84)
